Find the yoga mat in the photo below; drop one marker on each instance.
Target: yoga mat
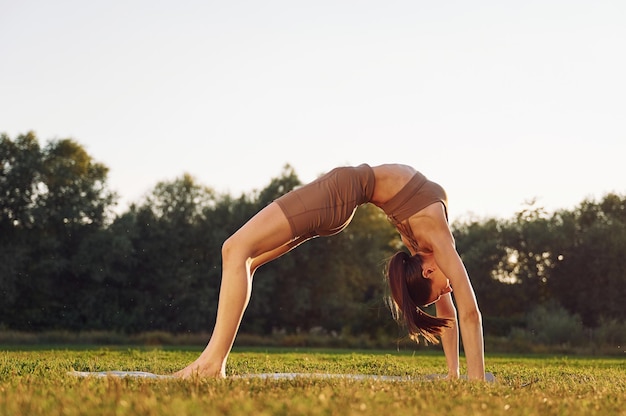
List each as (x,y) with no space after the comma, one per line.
(100,374)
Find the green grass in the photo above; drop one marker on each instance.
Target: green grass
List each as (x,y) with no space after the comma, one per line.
(35,382)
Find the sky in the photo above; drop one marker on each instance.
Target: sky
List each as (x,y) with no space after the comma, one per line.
(501,102)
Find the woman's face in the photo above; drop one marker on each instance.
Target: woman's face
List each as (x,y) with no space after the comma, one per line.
(439,283)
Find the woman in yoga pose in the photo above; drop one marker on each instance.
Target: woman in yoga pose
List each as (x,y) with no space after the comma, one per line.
(418,209)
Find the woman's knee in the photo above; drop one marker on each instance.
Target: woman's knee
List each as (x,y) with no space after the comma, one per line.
(234,249)
(227,247)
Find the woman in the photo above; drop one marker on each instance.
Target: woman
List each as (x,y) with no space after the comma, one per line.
(418,209)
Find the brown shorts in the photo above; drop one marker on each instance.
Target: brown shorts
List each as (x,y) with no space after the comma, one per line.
(326,205)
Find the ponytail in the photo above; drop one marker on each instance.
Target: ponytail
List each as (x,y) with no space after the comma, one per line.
(409,291)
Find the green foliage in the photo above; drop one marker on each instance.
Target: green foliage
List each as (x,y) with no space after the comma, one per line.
(67,263)
(485,252)
(20,165)
(551,325)
(611,332)
(590,278)
(571,258)
(52,198)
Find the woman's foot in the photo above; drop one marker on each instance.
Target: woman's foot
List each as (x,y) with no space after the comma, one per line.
(202,370)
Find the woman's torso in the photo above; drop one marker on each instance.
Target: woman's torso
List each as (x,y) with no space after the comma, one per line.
(410,202)
(390,179)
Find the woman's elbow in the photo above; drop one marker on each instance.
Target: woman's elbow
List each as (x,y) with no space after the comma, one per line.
(472,316)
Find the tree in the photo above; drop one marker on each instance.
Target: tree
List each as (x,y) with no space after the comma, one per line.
(52,199)
(529,240)
(590,276)
(487,258)
(73,189)
(20,165)
(20,170)
(171,254)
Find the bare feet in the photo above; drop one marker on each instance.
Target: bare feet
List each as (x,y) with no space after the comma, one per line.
(202,370)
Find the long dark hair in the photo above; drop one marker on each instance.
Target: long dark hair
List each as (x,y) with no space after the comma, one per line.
(410,290)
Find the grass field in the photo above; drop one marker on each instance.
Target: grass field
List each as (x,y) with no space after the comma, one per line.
(36,382)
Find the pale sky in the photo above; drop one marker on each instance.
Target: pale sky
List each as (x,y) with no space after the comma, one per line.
(498,101)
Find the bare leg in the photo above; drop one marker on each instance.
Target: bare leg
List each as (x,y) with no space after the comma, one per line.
(266,231)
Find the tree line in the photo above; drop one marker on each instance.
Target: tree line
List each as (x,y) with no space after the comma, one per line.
(67,261)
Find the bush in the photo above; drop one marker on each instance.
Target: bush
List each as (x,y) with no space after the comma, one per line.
(550,324)
(501,326)
(610,333)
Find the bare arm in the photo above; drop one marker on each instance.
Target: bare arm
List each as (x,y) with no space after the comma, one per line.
(435,235)
(470,320)
(450,336)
